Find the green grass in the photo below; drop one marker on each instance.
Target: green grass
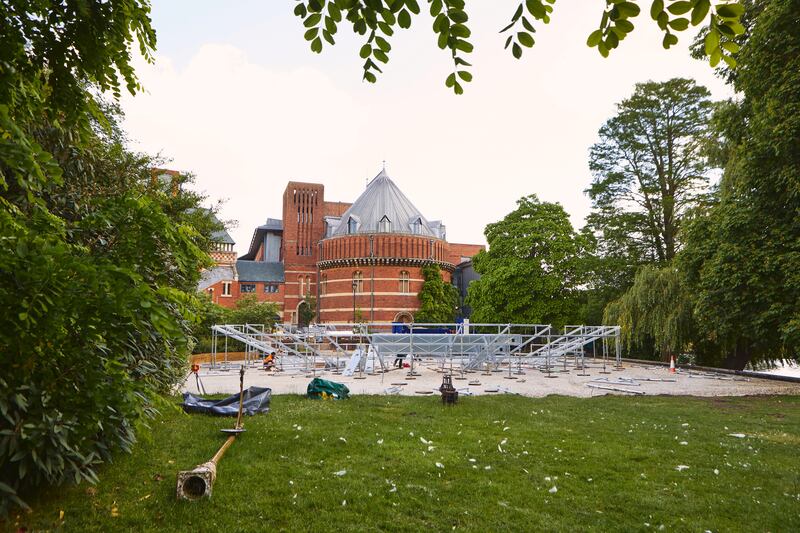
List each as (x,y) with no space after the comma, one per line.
(612,459)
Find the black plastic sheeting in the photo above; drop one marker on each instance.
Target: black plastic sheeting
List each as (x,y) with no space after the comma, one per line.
(256,400)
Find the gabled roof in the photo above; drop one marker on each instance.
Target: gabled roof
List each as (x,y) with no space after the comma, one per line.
(383,198)
(260,271)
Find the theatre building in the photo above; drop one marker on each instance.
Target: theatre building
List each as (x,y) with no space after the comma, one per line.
(366,256)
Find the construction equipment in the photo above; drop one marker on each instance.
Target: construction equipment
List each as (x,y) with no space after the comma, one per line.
(199,482)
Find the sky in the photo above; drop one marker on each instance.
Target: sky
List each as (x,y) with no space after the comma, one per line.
(236,97)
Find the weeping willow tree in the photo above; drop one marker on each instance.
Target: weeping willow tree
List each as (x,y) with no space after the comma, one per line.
(655,313)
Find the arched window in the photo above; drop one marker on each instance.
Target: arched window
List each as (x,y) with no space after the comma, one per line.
(405,283)
(323,284)
(308,284)
(352,225)
(358,281)
(385,225)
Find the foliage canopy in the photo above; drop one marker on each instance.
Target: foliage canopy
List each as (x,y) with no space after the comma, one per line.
(377,20)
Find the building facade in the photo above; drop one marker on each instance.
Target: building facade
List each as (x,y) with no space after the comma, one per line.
(361,261)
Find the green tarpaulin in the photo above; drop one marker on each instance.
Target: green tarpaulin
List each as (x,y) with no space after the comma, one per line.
(322,389)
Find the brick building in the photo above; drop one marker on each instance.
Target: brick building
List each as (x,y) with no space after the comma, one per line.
(366,256)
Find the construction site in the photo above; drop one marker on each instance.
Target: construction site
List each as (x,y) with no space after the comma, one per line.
(532,360)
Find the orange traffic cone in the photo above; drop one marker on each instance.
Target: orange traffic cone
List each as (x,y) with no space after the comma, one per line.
(671,364)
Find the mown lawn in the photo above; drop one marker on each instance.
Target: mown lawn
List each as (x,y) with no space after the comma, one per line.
(506,463)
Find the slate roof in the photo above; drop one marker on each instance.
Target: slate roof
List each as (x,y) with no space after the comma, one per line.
(214,275)
(260,271)
(383,198)
(273,225)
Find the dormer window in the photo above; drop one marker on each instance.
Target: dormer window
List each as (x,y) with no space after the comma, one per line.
(385,225)
(416,226)
(352,225)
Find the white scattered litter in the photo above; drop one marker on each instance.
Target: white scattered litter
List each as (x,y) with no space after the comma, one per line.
(291,482)
(431,448)
(410,433)
(737,435)
(340,473)
(343,439)
(344,502)
(380,441)
(553,490)
(503,442)
(423,441)
(506,428)
(547,478)
(487,467)
(439,465)
(683,443)
(472,460)
(681,468)
(685,425)
(716,471)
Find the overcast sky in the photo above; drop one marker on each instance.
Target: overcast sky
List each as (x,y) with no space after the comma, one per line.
(237,98)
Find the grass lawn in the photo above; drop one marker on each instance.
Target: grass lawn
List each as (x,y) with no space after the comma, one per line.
(487,464)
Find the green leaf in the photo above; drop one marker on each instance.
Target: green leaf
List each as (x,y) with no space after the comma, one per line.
(679,24)
(711,41)
(316,45)
(404,19)
(382,43)
(312,20)
(436,7)
(464,75)
(451,80)
(730,10)
(525,39)
(656,8)
(516,51)
(413,6)
(628,9)
(369,76)
(669,40)
(700,11)
(625,25)
(310,34)
(458,16)
(679,8)
(457,88)
(731,46)
(380,55)
(300,10)
(594,38)
(365,51)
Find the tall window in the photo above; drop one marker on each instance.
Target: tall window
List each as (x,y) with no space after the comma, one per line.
(226,288)
(352,225)
(385,225)
(323,284)
(358,280)
(308,284)
(300,280)
(416,226)
(405,283)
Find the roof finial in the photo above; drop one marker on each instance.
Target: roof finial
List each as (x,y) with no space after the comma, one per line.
(384,165)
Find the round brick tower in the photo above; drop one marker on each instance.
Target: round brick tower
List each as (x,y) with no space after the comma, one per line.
(372,259)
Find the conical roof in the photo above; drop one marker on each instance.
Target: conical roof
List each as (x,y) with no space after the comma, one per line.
(383,208)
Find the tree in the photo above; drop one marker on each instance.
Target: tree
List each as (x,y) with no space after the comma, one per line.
(437,300)
(655,313)
(649,170)
(307,311)
(249,310)
(377,21)
(742,260)
(533,270)
(99,264)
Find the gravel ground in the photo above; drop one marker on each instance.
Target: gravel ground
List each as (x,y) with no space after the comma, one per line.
(646,379)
